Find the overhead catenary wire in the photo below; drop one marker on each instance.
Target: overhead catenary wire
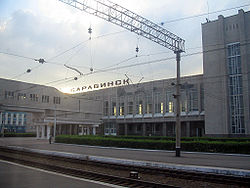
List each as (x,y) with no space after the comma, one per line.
(161,60)
(123,31)
(203,14)
(139,64)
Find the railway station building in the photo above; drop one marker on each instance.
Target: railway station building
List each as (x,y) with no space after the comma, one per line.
(215,103)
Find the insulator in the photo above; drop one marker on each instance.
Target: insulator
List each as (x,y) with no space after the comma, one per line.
(90,30)
(41,61)
(137,49)
(91,69)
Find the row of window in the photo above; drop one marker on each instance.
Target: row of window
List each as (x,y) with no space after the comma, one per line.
(235,88)
(149,104)
(31,97)
(9,118)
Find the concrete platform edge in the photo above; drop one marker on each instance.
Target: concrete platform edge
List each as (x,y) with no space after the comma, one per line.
(191,168)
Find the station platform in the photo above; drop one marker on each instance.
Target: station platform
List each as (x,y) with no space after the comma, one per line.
(231,164)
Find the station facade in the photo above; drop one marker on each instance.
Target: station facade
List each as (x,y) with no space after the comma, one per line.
(226,75)
(26,107)
(148,108)
(215,103)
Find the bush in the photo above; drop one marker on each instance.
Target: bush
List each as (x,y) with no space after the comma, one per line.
(158,144)
(241,139)
(19,135)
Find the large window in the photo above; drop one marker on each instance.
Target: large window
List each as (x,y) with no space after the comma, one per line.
(45,99)
(121,106)
(183,100)
(139,104)
(130,104)
(34,97)
(158,103)
(106,108)
(57,100)
(149,104)
(9,95)
(169,102)
(202,97)
(21,96)
(113,107)
(193,99)
(235,88)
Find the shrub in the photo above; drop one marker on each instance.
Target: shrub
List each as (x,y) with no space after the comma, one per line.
(158,144)
(19,135)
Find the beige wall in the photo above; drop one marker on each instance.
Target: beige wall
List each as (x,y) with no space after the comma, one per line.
(216,35)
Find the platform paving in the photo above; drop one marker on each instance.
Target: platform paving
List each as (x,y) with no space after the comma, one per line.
(167,158)
(13,175)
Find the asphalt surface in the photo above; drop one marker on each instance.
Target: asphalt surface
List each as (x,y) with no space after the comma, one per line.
(18,176)
(197,159)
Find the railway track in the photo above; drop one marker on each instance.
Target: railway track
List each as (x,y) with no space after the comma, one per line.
(69,166)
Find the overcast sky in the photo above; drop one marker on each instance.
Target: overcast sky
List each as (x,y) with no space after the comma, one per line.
(46,28)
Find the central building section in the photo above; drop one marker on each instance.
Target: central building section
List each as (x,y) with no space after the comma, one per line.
(149,108)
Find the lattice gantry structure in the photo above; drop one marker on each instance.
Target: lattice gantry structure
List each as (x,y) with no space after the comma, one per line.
(129,20)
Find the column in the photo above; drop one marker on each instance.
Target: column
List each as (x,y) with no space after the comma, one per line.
(70,129)
(144,129)
(37,132)
(43,131)
(75,130)
(188,128)
(164,129)
(126,129)
(94,130)
(48,131)
(88,130)
(60,129)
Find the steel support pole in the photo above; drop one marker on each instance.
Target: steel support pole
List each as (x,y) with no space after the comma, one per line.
(178,122)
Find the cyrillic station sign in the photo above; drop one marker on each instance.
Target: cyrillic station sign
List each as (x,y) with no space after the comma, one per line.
(103,85)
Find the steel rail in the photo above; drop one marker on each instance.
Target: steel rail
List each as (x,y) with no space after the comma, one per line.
(206,177)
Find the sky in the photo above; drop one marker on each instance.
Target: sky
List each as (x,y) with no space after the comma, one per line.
(51,30)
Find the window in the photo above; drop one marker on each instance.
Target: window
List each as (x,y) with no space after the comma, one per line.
(139,128)
(121,106)
(57,100)
(149,104)
(183,101)
(235,88)
(106,108)
(9,95)
(34,97)
(139,104)
(158,103)
(170,107)
(202,97)
(9,118)
(193,99)
(130,105)
(110,129)
(45,99)
(113,107)
(169,102)
(21,96)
